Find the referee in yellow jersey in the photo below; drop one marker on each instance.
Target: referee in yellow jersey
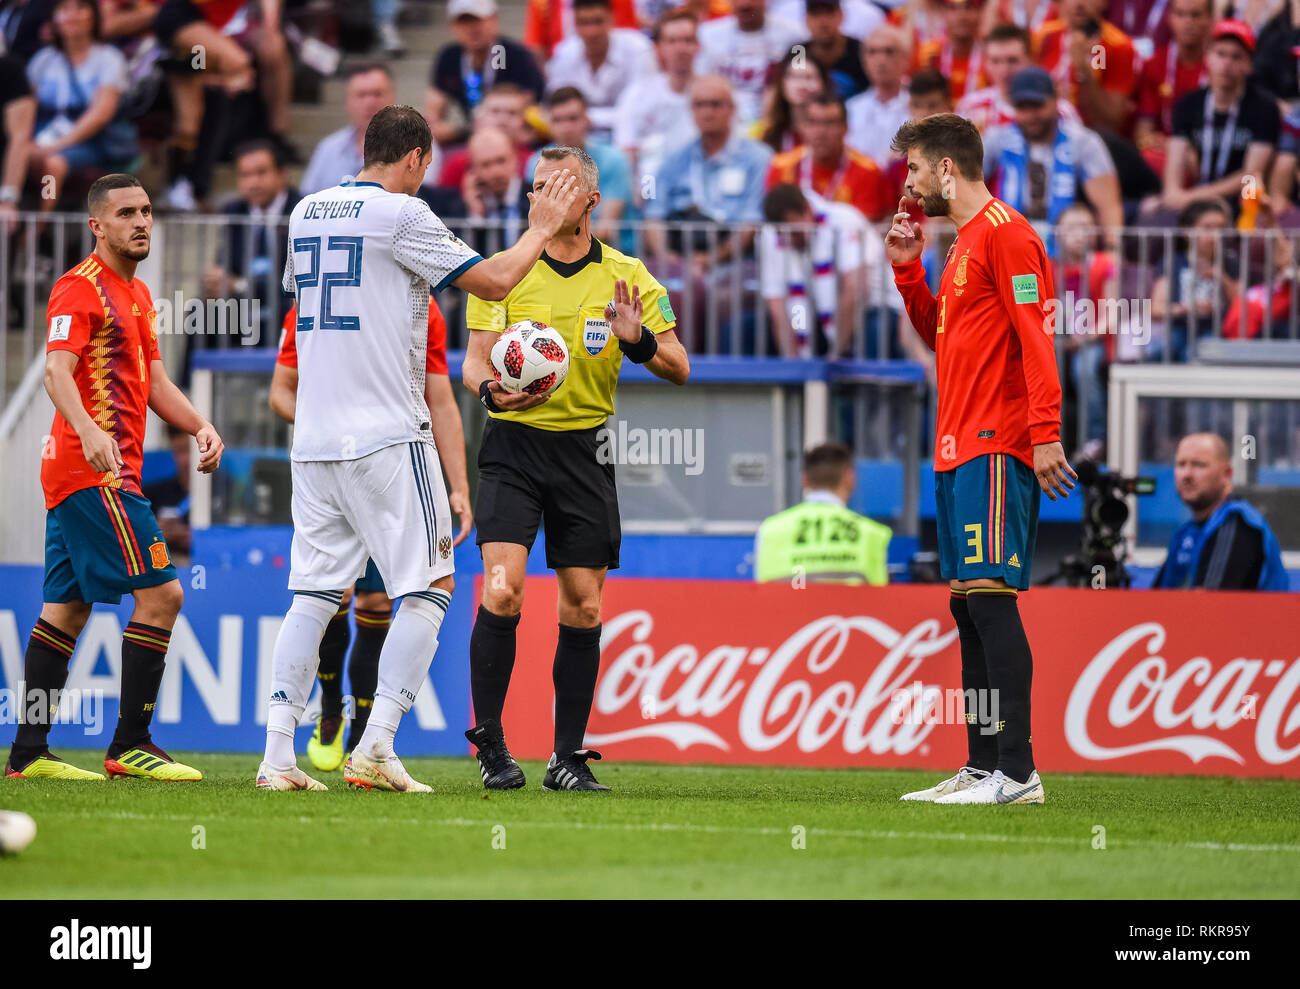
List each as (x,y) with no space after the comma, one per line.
(538,461)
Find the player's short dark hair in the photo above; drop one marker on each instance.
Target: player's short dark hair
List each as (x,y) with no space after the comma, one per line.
(669,16)
(824,465)
(393,133)
(944,135)
(254,146)
(99,190)
(782,200)
(827,98)
(565,94)
(1013,32)
(363,68)
(928,81)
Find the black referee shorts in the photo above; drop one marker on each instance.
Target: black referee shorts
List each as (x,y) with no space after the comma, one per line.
(529,476)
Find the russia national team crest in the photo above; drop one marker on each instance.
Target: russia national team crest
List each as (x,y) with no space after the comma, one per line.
(444,546)
(595,335)
(158,556)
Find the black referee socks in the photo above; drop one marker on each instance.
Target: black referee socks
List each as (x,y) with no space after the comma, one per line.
(491,661)
(981,745)
(333,647)
(363,668)
(577,663)
(144,657)
(1010,671)
(45,671)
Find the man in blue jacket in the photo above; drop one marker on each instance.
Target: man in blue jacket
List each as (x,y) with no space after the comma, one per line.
(1227,546)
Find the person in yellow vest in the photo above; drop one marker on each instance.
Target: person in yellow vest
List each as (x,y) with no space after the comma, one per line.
(821,539)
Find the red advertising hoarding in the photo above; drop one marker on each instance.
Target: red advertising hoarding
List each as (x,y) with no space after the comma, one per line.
(729,672)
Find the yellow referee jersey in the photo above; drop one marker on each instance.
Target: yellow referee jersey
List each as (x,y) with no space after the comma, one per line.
(572,297)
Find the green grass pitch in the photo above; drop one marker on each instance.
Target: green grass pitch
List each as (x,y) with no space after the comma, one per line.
(665,831)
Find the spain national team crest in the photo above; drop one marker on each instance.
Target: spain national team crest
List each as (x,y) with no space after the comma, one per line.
(444,546)
(959,279)
(158,556)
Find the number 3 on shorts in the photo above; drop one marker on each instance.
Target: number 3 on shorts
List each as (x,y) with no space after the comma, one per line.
(976,542)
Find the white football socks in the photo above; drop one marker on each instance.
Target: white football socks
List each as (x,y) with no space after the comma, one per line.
(293,670)
(403,665)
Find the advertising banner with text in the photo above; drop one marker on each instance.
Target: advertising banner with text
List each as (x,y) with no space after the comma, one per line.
(729,672)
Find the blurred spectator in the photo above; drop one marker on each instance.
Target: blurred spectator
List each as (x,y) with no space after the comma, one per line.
(570,128)
(920,20)
(822,539)
(833,49)
(859,17)
(383,15)
(468,67)
(741,48)
(1194,290)
(18,109)
(717,177)
(795,81)
(957,54)
(1282,177)
(825,167)
(928,94)
(1145,21)
(78,84)
(1094,63)
(1227,545)
(1006,52)
(1039,163)
(338,156)
(170,496)
(704,10)
(1267,308)
(1085,276)
(490,191)
(548,22)
(1175,70)
(1027,14)
(815,284)
(24,26)
(601,61)
(1276,67)
(251,261)
(505,108)
(653,116)
(876,115)
(1228,129)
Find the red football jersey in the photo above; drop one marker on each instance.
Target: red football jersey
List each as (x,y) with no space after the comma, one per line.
(110,325)
(435,358)
(991,330)
(856,180)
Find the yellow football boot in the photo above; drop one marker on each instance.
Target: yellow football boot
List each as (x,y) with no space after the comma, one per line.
(47,766)
(151,763)
(325,750)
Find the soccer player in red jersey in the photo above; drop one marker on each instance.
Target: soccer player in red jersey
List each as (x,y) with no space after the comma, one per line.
(103,372)
(997,436)
(374,606)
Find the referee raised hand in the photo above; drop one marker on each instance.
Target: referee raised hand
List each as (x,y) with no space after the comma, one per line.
(540,460)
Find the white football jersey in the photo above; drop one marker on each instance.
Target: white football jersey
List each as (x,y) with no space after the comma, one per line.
(360,262)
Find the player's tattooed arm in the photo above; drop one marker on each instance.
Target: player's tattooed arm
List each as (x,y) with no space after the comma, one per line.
(172,407)
(99,447)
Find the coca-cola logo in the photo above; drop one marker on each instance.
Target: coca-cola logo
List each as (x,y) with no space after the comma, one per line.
(1192,694)
(786,694)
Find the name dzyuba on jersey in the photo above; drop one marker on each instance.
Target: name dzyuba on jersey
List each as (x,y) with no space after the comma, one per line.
(334,209)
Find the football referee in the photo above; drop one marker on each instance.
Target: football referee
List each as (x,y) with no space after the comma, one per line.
(538,461)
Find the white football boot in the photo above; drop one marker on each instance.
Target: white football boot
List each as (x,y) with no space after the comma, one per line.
(999,789)
(286,779)
(364,773)
(966,778)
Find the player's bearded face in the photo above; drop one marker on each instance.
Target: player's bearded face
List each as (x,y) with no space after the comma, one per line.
(927,185)
(127,223)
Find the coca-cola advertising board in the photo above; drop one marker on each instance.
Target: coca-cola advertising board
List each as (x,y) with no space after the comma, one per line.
(729,672)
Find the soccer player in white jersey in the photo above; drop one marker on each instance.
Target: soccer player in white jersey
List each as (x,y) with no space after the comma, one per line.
(366,479)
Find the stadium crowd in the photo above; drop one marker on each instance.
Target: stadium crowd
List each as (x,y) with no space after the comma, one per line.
(1098,116)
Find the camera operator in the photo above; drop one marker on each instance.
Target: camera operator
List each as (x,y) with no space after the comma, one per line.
(1227,546)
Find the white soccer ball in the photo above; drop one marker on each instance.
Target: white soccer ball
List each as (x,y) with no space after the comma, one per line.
(16,831)
(530,357)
